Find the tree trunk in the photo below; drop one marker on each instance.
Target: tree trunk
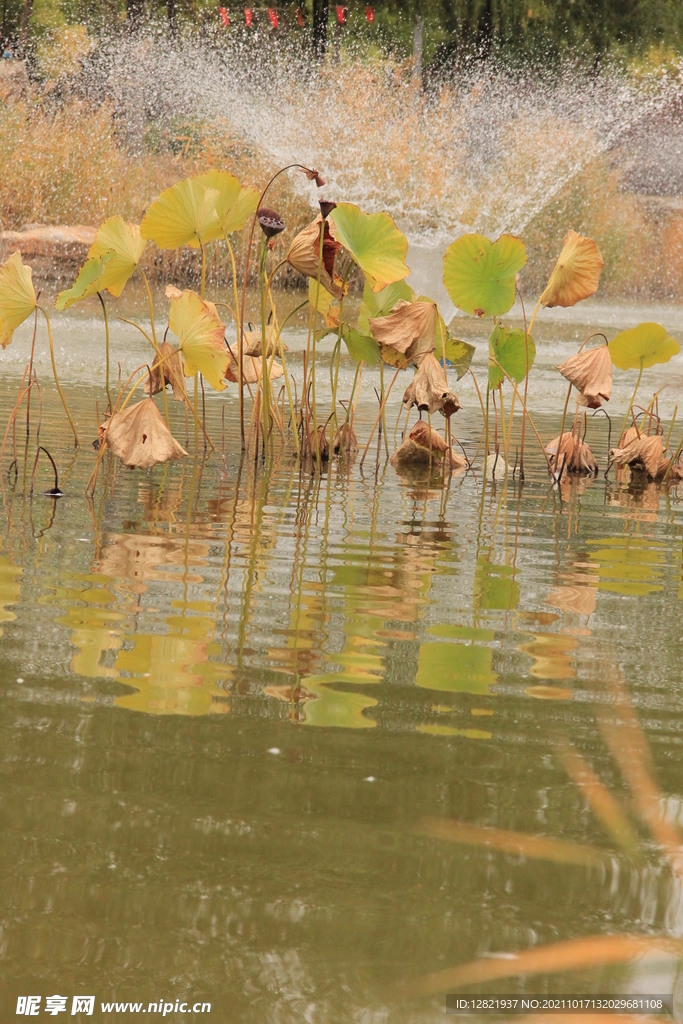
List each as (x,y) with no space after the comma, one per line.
(321,12)
(23,28)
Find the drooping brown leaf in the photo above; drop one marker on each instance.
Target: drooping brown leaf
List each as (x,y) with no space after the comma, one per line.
(575,454)
(590,372)
(304,255)
(140,438)
(406,334)
(576,274)
(429,391)
(642,454)
(424,444)
(252,342)
(172,371)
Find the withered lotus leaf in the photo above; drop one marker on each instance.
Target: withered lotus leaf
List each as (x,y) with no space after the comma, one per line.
(200,333)
(407,334)
(576,274)
(304,255)
(574,454)
(172,371)
(590,372)
(642,454)
(252,342)
(429,390)
(140,438)
(415,450)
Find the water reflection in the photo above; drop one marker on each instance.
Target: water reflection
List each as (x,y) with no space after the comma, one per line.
(506,667)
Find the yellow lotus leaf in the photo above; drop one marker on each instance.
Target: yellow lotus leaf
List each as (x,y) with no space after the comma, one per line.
(88,282)
(201,335)
(140,438)
(374,241)
(235,203)
(406,334)
(590,372)
(642,453)
(576,274)
(304,256)
(182,215)
(642,346)
(124,240)
(17,297)
(324,302)
(429,390)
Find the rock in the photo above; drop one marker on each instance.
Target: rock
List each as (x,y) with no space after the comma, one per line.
(54,253)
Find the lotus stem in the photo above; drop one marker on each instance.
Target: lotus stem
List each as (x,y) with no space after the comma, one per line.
(382,405)
(106,346)
(203,285)
(533,315)
(673,460)
(284,366)
(486,431)
(54,370)
(630,404)
(238,323)
(153,341)
(315,326)
(476,384)
(30,374)
(671,428)
(502,427)
(379,416)
(564,416)
(13,414)
(533,425)
(196,412)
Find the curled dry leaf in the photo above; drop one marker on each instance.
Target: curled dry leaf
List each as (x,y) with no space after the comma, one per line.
(252,342)
(422,444)
(429,391)
(574,453)
(140,438)
(252,368)
(172,371)
(345,441)
(407,334)
(304,255)
(642,454)
(576,274)
(590,372)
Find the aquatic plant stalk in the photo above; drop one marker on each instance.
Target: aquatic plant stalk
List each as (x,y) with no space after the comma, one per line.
(153,340)
(30,373)
(379,416)
(630,405)
(238,324)
(54,370)
(106,346)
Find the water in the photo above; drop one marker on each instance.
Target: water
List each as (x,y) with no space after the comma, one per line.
(231,697)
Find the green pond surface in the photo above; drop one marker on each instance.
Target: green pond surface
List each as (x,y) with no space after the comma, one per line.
(247,713)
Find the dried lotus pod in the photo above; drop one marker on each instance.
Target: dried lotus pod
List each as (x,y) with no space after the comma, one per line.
(574,454)
(271,222)
(428,389)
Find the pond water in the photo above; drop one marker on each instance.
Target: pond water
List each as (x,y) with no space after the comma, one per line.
(255,723)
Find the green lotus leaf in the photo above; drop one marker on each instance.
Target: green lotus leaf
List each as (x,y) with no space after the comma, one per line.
(235,203)
(89,281)
(17,297)
(642,346)
(374,242)
(509,350)
(124,240)
(458,353)
(479,275)
(182,215)
(360,346)
(380,303)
